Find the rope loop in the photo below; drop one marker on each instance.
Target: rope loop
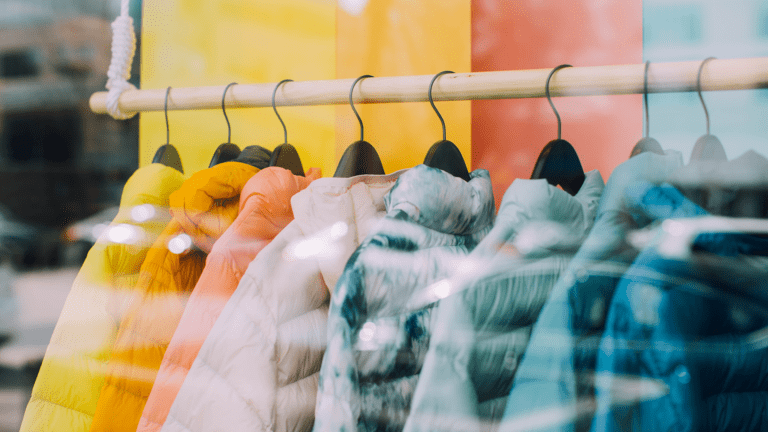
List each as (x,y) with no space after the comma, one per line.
(123,51)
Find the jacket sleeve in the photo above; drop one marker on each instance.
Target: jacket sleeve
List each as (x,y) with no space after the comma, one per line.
(445,398)
(145,331)
(70,379)
(547,376)
(337,408)
(479,338)
(209,297)
(72,374)
(254,358)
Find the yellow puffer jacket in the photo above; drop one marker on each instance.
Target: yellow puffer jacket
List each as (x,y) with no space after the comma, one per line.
(67,388)
(203,208)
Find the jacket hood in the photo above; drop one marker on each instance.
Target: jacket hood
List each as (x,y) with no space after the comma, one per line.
(442,202)
(265,193)
(164,181)
(646,166)
(207,204)
(265,208)
(535,214)
(739,185)
(749,168)
(346,209)
(150,186)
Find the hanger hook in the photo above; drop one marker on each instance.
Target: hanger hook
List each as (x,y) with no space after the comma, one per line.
(431,101)
(698,88)
(559,123)
(274,93)
(224,109)
(645,101)
(167,127)
(353,105)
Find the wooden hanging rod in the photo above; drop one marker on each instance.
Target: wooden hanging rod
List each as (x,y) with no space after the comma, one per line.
(732,74)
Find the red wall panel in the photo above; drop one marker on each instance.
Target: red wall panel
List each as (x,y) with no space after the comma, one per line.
(507,135)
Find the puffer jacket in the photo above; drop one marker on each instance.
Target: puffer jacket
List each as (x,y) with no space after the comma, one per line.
(72,374)
(556,375)
(376,343)
(481,332)
(203,208)
(258,368)
(265,209)
(679,352)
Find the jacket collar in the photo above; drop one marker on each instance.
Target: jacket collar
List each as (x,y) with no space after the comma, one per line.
(537,216)
(207,204)
(151,184)
(437,200)
(265,202)
(336,214)
(329,200)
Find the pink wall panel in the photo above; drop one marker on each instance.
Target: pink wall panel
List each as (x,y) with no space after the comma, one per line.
(507,135)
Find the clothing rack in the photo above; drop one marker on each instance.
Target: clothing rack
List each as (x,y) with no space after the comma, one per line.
(730,74)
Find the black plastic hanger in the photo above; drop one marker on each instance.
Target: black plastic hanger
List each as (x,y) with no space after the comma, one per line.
(646,144)
(285,155)
(360,157)
(558,162)
(254,155)
(444,154)
(707,147)
(167,153)
(227,151)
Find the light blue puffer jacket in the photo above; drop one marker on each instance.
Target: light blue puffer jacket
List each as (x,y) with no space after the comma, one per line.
(481,333)
(554,382)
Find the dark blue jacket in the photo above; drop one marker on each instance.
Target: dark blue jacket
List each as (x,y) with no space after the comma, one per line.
(675,355)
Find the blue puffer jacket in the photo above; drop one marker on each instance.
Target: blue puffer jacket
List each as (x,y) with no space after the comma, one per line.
(674,356)
(376,347)
(552,389)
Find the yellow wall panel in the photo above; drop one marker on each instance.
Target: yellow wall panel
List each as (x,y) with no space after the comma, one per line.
(397,38)
(201,43)
(196,43)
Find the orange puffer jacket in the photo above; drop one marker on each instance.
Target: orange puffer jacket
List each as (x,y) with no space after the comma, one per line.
(203,208)
(265,209)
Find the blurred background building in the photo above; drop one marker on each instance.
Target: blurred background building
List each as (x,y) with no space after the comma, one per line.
(59,164)
(58,161)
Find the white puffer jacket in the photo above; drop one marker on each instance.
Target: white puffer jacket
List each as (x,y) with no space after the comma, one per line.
(258,368)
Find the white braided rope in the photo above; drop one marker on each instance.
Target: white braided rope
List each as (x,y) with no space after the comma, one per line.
(123,50)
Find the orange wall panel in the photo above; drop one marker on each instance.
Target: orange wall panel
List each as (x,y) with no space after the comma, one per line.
(401,38)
